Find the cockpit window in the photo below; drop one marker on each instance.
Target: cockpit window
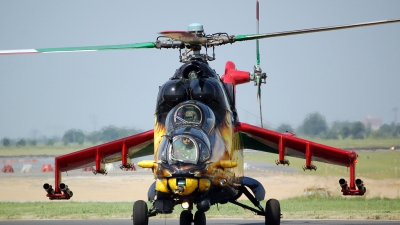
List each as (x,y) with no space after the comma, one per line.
(187,114)
(190,114)
(184,149)
(192,75)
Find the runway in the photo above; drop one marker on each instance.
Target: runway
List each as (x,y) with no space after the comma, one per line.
(209,221)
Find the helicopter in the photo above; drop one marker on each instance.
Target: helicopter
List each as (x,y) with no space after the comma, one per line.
(196,107)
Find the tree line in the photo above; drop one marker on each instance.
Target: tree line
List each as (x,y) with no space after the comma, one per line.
(315,125)
(75,136)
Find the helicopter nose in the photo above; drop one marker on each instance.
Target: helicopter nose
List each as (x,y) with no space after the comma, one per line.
(183,186)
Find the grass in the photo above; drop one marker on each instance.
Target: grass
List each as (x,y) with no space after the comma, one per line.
(310,207)
(42,150)
(339,207)
(367,143)
(63,210)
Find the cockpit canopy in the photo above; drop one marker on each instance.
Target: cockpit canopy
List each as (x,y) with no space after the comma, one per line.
(185,145)
(193,113)
(187,114)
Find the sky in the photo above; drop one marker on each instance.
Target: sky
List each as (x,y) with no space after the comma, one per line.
(344,75)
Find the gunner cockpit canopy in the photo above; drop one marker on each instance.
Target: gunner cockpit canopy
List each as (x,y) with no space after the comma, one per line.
(192,113)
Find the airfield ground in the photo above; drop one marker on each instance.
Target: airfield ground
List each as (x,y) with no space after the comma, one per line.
(133,185)
(378,170)
(102,195)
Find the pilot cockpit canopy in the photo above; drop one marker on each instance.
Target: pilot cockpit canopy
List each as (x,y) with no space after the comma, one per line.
(185,144)
(193,113)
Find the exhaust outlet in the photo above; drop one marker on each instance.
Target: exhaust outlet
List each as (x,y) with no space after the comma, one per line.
(48,188)
(343,184)
(360,185)
(64,188)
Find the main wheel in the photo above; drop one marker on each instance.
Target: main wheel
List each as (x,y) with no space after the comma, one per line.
(140,213)
(186,217)
(199,218)
(272,212)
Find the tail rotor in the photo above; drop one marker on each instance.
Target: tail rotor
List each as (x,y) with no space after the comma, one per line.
(258,76)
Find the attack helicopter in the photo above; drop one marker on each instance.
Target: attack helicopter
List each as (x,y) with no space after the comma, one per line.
(198,139)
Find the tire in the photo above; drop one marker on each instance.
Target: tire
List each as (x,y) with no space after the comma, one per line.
(199,218)
(186,217)
(272,212)
(140,216)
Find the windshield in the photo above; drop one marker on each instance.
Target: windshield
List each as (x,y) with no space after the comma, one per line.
(184,149)
(188,149)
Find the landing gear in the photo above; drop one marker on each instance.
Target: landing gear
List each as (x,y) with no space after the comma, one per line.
(272,212)
(139,215)
(186,217)
(199,218)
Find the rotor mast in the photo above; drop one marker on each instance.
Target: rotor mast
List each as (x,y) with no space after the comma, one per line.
(198,31)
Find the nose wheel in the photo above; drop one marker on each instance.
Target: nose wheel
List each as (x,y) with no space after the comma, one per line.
(186,218)
(139,215)
(199,218)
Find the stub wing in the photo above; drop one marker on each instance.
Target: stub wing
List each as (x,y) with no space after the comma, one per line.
(119,150)
(286,144)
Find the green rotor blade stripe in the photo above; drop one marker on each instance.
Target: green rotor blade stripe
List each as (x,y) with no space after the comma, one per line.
(246,37)
(98,48)
(258,52)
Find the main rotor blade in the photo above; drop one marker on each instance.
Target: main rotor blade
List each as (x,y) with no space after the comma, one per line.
(246,37)
(80,49)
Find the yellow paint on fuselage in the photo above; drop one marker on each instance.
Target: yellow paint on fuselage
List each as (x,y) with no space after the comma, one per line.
(162,185)
(226,131)
(234,148)
(204,184)
(159,131)
(238,155)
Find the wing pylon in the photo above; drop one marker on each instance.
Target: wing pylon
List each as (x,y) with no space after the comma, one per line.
(286,144)
(119,150)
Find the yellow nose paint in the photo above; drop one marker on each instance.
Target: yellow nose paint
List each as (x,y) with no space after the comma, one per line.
(162,185)
(189,187)
(204,184)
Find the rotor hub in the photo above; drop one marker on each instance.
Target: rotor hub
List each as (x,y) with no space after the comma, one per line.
(195,28)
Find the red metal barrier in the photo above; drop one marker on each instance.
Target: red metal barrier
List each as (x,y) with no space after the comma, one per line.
(7,169)
(89,168)
(47,168)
